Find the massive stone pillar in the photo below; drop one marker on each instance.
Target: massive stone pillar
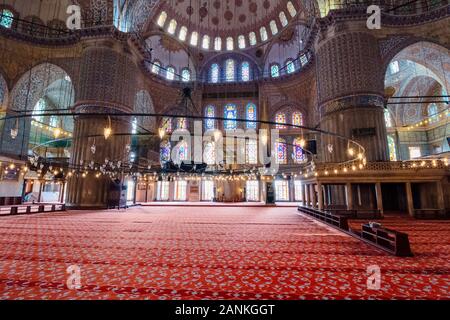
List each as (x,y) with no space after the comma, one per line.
(107,86)
(351,87)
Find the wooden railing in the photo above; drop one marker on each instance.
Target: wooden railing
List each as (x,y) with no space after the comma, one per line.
(430,214)
(394,242)
(32,208)
(329,218)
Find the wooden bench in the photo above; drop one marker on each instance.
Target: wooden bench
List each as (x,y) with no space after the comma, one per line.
(394,242)
(31,208)
(329,218)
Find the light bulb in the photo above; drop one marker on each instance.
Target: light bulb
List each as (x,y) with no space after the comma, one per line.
(302,143)
(107,132)
(161,133)
(351,152)
(57,132)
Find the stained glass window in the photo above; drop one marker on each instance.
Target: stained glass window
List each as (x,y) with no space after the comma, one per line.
(164,152)
(299,155)
(263,33)
(387,118)
(206,42)
(7,19)
(433,112)
(392,148)
(172,26)
(194,38)
(210,113)
(166,124)
(156,67)
(251,151)
(291,9)
(39,108)
(183,34)
(181,123)
(394,67)
(186,75)
(245,71)
(275,71)
(298,190)
(230,73)
(281,149)
(218,44)
(162,19)
(183,151)
(170,73)
(290,67)
(303,59)
(209,155)
(215,72)
(231,115)
(251,116)
(297,119)
(273,27)
(230,44)
(280,118)
(283,19)
(241,42)
(252,37)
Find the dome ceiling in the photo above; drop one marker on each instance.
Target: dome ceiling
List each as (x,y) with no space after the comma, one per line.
(225,17)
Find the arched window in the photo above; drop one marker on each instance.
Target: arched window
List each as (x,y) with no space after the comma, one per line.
(297,119)
(275,71)
(156,67)
(210,112)
(273,27)
(209,155)
(394,67)
(186,75)
(290,66)
(206,42)
(433,112)
(241,42)
(183,152)
(183,33)
(218,43)
(251,151)
(280,118)
(182,124)
(387,118)
(299,155)
(263,33)
(6,19)
(281,149)
(283,19)
(303,59)
(162,19)
(251,115)
(172,26)
(230,113)
(230,44)
(230,70)
(245,71)
(166,124)
(392,148)
(170,73)
(164,152)
(291,9)
(252,37)
(194,39)
(39,108)
(215,73)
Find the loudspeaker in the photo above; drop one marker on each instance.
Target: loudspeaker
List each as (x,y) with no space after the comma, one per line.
(311,146)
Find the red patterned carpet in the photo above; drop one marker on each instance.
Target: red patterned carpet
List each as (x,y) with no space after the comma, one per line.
(211,253)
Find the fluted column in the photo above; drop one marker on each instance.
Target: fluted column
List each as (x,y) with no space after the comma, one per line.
(350,82)
(107,86)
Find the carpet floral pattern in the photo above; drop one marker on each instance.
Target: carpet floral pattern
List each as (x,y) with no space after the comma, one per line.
(205,253)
